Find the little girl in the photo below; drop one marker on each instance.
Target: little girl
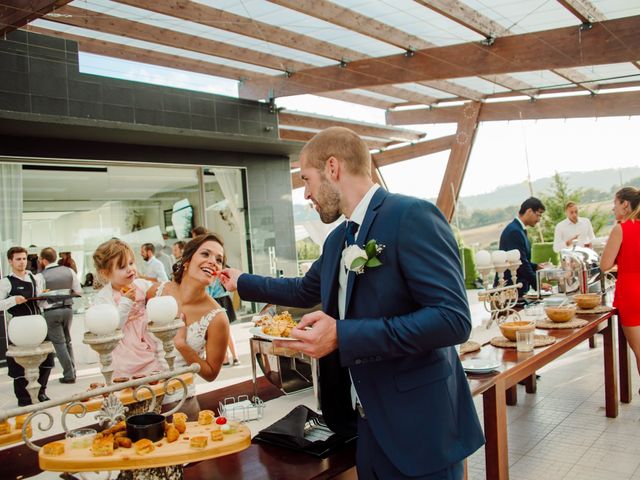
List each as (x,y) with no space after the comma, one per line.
(139,352)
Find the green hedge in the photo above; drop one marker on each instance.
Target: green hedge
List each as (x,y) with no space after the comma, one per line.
(470,272)
(543,252)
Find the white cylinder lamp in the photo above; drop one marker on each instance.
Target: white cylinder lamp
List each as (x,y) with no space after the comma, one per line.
(499,257)
(162,310)
(101,319)
(483,258)
(513,255)
(27,331)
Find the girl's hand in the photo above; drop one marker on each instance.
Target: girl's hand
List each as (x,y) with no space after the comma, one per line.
(129,292)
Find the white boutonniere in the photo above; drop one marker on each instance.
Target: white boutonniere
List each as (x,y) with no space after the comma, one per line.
(356,258)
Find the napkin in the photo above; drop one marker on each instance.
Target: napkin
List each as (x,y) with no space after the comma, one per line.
(304,430)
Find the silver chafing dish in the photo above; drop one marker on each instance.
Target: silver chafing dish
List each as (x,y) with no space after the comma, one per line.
(579,272)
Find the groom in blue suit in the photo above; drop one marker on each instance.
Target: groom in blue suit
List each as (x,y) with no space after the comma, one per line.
(386,331)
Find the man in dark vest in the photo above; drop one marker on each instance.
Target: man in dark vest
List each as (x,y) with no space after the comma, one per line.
(15,291)
(60,314)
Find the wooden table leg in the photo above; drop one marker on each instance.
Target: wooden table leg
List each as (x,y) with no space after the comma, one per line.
(495,430)
(531,384)
(512,396)
(625,372)
(592,342)
(466,470)
(610,370)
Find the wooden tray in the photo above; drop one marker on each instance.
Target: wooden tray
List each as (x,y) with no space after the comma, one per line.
(15,435)
(165,454)
(126,395)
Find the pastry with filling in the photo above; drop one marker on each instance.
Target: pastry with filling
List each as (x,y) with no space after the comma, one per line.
(54,448)
(205,417)
(180,424)
(123,442)
(20,419)
(198,442)
(217,435)
(144,446)
(172,434)
(102,445)
(5,427)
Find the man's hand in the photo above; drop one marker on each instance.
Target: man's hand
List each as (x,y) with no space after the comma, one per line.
(546,287)
(20,300)
(229,278)
(569,242)
(316,333)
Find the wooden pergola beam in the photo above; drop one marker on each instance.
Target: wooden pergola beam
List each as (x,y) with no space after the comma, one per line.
(584,10)
(152,57)
(584,106)
(458,159)
(317,122)
(17,13)
(305,136)
(611,41)
(400,154)
(101,22)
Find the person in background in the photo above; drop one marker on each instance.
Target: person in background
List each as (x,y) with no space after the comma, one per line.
(15,291)
(67,261)
(88,280)
(573,228)
(153,270)
(622,249)
(177,249)
(139,352)
(166,260)
(59,315)
(514,237)
(204,338)
(385,336)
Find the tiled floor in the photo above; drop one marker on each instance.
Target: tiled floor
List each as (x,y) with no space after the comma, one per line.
(560,432)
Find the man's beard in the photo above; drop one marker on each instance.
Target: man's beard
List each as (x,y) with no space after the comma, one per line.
(328,204)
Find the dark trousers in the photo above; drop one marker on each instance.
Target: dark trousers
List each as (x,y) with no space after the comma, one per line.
(373,464)
(20,385)
(59,326)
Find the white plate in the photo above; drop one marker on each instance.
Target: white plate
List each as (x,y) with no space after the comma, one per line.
(480,365)
(257,332)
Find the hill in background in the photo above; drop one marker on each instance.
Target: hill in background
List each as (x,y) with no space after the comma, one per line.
(602,180)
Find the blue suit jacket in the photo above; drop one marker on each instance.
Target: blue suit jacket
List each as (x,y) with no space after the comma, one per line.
(400,322)
(514,237)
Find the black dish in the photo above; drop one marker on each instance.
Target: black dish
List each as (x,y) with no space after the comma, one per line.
(145,425)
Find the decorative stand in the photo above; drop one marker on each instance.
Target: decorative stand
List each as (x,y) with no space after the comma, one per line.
(501,300)
(166,333)
(30,359)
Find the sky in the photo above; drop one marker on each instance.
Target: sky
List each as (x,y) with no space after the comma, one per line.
(499,155)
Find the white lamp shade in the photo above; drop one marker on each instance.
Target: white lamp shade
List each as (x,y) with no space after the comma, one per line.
(513,255)
(499,257)
(101,319)
(27,331)
(162,310)
(483,258)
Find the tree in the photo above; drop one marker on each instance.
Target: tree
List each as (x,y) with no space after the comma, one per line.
(555,201)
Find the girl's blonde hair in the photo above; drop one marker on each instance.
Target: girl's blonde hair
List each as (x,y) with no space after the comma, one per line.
(112,253)
(631,195)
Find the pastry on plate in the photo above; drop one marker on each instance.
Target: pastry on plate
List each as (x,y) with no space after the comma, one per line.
(54,448)
(5,428)
(198,442)
(144,446)
(102,445)
(205,417)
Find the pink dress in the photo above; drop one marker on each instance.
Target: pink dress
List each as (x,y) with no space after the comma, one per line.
(139,352)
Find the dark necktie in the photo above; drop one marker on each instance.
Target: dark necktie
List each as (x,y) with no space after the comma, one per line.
(352,228)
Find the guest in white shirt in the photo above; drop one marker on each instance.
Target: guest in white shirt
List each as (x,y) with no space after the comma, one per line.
(153,268)
(573,228)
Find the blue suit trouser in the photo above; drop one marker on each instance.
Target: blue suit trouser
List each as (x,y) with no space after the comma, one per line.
(373,464)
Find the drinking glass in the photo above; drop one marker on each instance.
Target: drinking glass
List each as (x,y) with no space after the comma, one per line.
(524,341)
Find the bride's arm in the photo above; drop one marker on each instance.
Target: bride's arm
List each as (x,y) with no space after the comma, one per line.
(215,348)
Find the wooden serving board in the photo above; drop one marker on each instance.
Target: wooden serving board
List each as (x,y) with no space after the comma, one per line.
(15,435)
(165,454)
(126,395)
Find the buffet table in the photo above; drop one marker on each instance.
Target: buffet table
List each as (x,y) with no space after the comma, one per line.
(498,389)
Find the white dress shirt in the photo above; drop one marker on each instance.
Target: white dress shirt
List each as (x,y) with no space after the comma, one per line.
(154,269)
(566,230)
(7,302)
(358,217)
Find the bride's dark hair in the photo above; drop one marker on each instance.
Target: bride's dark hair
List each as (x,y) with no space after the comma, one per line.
(191,248)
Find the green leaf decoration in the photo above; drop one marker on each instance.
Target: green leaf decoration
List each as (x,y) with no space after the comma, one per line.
(373,262)
(357,263)
(370,248)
